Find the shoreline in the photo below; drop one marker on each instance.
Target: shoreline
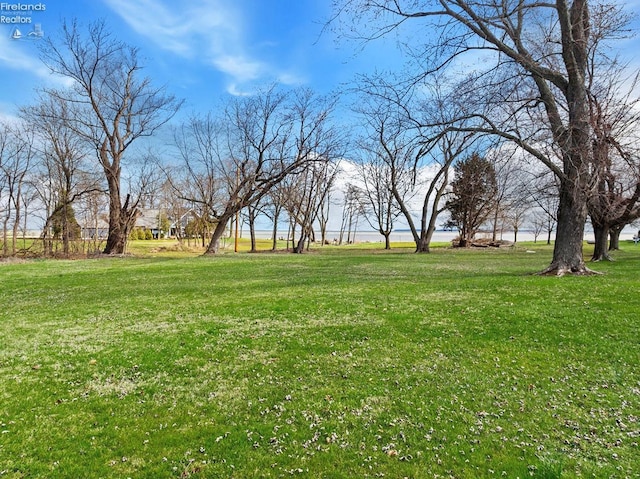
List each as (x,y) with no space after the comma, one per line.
(439,236)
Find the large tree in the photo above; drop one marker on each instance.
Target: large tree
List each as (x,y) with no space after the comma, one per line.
(614,117)
(110,105)
(616,174)
(536,56)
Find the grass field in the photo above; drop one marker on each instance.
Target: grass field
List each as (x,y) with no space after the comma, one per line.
(339,363)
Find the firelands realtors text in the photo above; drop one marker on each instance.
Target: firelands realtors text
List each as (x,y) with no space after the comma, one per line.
(19,12)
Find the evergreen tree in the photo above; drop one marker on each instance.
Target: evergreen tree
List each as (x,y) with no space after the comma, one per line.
(472,196)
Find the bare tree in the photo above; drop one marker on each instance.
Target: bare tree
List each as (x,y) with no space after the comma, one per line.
(537,224)
(506,171)
(64,174)
(5,203)
(237,159)
(251,214)
(109,105)
(324,211)
(390,168)
(517,213)
(543,191)
(418,156)
(322,143)
(352,209)
(277,198)
(616,148)
(513,196)
(381,209)
(17,154)
(538,48)
(30,204)
(307,194)
(200,178)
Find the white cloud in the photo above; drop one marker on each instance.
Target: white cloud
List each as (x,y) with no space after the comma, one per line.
(239,68)
(209,30)
(291,79)
(14,57)
(184,30)
(235,90)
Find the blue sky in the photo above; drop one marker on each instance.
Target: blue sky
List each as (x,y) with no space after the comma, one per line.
(205,49)
(200,49)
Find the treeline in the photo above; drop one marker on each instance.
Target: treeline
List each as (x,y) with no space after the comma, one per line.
(542,137)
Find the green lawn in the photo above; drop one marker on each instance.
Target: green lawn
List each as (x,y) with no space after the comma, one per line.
(343,362)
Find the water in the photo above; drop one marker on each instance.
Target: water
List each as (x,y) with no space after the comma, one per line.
(439,236)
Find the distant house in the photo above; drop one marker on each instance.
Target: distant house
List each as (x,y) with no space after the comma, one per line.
(179,225)
(97,228)
(149,219)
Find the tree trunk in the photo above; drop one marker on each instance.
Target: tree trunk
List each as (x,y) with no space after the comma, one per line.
(299,247)
(494,232)
(46,242)
(293,234)
(65,227)
(323,232)
(600,249)
(350,224)
(16,225)
(218,232)
(24,229)
(428,228)
(254,247)
(117,237)
(572,216)
(274,231)
(407,215)
(355,230)
(387,239)
(5,235)
(614,238)
(422,245)
(465,237)
(252,233)
(116,241)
